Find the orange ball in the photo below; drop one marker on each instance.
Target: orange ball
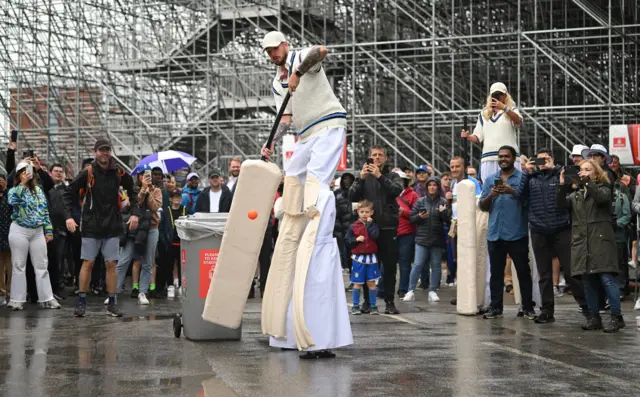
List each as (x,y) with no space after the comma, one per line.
(253,214)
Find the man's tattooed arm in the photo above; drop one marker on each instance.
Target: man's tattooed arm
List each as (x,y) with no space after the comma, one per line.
(283,127)
(316,54)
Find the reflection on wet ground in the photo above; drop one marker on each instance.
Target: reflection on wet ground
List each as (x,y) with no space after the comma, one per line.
(427,351)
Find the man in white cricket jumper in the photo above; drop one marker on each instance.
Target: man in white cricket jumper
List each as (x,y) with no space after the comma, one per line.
(497,125)
(305,305)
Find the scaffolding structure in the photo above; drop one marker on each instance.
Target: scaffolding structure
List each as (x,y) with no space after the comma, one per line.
(189,74)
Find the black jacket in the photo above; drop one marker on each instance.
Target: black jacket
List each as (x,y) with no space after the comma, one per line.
(382,192)
(430,231)
(56,208)
(100,216)
(545,216)
(344,214)
(203,204)
(167,230)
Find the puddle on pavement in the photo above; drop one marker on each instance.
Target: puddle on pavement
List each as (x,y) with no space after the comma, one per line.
(147,318)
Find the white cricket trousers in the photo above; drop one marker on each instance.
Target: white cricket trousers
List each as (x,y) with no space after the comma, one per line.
(24,241)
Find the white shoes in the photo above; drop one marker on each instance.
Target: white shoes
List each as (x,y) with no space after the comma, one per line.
(433,297)
(633,264)
(52,304)
(15,305)
(637,306)
(142,299)
(171,292)
(409,297)
(557,292)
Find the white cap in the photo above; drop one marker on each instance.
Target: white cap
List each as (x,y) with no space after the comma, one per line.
(498,87)
(273,39)
(577,150)
(402,175)
(21,165)
(191,175)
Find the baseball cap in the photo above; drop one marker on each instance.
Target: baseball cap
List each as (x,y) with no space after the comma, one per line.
(402,175)
(577,150)
(273,39)
(214,172)
(192,175)
(498,87)
(21,165)
(422,168)
(100,143)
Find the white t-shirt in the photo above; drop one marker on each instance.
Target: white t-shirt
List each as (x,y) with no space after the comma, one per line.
(495,132)
(231,182)
(214,201)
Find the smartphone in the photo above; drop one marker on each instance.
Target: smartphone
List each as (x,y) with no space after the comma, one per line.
(496,96)
(147,174)
(28,153)
(540,161)
(14,135)
(571,169)
(369,161)
(30,169)
(499,182)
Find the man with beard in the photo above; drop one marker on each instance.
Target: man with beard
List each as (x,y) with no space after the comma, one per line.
(97,187)
(306,245)
(576,153)
(190,193)
(234,170)
(508,234)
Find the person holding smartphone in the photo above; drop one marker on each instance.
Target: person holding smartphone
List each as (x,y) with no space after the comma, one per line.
(550,226)
(508,235)
(497,125)
(593,243)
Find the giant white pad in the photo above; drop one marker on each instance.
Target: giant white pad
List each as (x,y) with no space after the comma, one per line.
(466,247)
(241,243)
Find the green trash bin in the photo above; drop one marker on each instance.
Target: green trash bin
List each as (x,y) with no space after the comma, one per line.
(200,239)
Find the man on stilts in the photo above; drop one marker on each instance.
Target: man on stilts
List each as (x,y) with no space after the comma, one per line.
(305,305)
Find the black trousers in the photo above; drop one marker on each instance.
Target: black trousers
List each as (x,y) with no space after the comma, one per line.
(388,257)
(623,265)
(545,246)
(265,259)
(518,250)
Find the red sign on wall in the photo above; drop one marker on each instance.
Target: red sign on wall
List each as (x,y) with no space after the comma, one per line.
(619,142)
(208,262)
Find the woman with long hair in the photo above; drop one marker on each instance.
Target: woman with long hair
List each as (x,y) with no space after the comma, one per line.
(497,125)
(29,234)
(593,242)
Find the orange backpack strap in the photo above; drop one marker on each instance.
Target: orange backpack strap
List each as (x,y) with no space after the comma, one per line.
(90,180)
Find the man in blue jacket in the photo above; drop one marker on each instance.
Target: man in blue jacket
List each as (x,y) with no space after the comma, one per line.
(190,193)
(550,228)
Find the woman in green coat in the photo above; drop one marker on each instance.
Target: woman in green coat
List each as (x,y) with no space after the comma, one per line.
(593,242)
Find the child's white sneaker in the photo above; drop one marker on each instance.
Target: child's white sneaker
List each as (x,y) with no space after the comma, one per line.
(409,297)
(433,297)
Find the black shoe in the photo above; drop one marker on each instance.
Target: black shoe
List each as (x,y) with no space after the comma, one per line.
(366,308)
(492,313)
(134,293)
(615,323)
(508,289)
(530,314)
(318,355)
(401,294)
(80,310)
(113,311)
(520,313)
(454,302)
(391,309)
(544,318)
(593,322)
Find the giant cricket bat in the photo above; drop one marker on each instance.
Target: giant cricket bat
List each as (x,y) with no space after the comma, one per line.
(243,236)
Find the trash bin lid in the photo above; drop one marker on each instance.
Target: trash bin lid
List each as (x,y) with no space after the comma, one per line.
(210,216)
(192,228)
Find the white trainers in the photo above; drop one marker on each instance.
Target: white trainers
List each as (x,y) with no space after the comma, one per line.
(433,297)
(562,282)
(142,299)
(637,306)
(633,264)
(3,301)
(52,304)
(557,292)
(15,305)
(409,297)
(171,292)
(106,301)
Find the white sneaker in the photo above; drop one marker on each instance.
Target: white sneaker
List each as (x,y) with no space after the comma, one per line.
(106,301)
(433,297)
(15,305)
(52,304)
(409,297)
(637,306)
(142,299)
(557,292)
(171,292)
(633,264)
(562,282)
(3,301)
